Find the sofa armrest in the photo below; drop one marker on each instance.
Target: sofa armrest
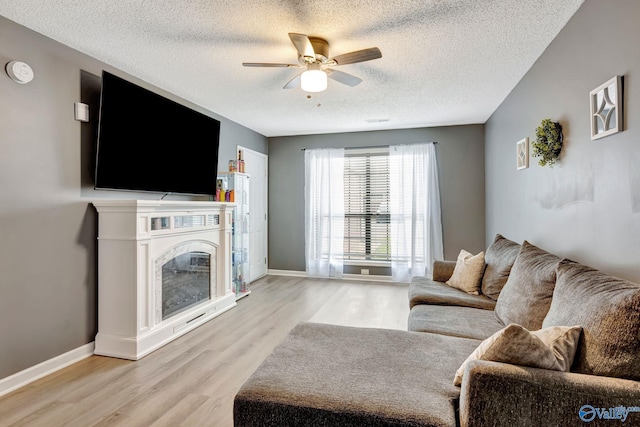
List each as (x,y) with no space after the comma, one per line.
(499,394)
(442,270)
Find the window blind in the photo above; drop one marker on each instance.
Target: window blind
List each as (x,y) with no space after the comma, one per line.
(366,194)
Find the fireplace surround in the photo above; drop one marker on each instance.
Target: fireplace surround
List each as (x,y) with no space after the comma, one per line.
(164,268)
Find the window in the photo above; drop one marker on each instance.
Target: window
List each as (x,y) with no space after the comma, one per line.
(372,206)
(366,204)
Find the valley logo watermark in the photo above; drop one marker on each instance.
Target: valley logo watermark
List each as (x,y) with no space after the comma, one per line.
(588,413)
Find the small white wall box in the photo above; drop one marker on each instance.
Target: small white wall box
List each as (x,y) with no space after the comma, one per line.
(81,111)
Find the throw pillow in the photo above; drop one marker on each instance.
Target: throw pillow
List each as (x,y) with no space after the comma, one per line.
(499,258)
(526,297)
(467,273)
(550,348)
(608,308)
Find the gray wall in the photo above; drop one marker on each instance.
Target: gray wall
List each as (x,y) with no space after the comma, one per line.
(460,153)
(47,224)
(587,207)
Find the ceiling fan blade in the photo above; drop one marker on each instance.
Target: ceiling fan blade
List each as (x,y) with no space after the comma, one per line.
(344,78)
(357,56)
(267,64)
(293,83)
(303,45)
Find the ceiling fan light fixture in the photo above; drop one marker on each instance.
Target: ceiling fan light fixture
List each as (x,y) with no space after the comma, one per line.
(314,79)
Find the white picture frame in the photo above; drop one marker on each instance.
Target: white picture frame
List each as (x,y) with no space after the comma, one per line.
(606,108)
(522,154)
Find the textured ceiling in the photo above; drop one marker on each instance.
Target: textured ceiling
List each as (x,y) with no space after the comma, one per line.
(444,62)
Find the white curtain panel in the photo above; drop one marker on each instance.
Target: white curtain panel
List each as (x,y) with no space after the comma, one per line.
(416,224)
(324,212)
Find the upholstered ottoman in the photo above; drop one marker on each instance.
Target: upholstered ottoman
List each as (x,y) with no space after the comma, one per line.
(325,375)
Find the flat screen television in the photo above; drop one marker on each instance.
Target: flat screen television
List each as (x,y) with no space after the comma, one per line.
(147,142)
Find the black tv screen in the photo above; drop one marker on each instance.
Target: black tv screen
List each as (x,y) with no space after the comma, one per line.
(147,142)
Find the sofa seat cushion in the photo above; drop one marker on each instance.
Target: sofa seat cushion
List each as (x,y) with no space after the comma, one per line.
(526,297)
(463,322)
(426,291)
(345,376)
(608,308)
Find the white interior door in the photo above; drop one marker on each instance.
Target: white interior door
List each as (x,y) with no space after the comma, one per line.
(255,164)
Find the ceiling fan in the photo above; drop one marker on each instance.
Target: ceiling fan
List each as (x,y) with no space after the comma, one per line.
(313,56)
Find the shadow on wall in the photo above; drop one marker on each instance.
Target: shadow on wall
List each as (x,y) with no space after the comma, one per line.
(634,171)
(90,86)
(87,239)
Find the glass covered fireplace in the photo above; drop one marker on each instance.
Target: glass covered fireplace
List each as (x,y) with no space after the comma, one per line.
(164,269)
(187,275)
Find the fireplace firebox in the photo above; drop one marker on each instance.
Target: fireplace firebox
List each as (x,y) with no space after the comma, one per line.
(186,278)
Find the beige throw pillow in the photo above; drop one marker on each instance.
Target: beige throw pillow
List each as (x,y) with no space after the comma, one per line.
(467,275)
(549,348)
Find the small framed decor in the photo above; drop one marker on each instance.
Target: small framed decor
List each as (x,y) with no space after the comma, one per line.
(606,108)
(522,154)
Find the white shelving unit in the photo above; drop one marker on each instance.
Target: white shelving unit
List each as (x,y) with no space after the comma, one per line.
(239,183)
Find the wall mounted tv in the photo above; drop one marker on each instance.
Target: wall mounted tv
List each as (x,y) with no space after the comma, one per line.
(147,142)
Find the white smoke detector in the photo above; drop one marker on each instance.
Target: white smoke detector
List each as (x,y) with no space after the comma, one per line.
(20,72)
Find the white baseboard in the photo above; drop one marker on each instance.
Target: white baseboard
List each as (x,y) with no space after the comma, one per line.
(22,378)
(369,277)
(290,273)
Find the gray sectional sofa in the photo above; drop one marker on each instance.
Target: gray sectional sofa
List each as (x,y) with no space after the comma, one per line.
(325,375)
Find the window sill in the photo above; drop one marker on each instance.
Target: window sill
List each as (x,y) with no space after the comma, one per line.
(366,263)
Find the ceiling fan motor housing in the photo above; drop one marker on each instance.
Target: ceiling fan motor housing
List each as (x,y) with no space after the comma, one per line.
(320,47)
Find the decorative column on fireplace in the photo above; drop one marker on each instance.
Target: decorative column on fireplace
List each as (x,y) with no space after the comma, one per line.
(164,268)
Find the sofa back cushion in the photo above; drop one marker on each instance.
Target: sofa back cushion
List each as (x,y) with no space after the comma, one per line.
(608,309)
(499,258)
(526,297)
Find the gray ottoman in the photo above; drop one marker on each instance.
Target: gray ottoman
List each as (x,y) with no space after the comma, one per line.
(325,375)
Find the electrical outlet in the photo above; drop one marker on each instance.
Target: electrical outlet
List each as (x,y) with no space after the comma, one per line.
(364,271)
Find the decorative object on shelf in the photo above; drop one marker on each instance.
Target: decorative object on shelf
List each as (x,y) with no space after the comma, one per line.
(548,143)
(19,72)
(522,154)
(606,108)
(240,162)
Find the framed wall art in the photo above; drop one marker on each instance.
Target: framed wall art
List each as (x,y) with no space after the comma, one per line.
(522,154)
(606,108)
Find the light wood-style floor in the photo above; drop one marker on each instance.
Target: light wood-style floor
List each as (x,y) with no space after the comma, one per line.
(192,380)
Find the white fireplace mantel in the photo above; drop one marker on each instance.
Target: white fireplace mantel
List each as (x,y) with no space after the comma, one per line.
(132,236)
